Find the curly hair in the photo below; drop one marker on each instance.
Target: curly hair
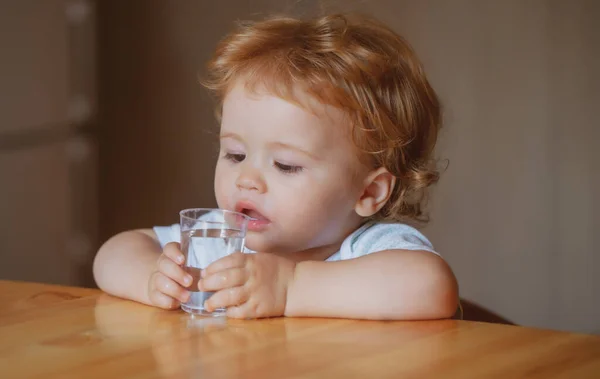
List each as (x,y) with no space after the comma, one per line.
(358,65)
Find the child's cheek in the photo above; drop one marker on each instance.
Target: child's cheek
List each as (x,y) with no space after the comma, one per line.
(220,188)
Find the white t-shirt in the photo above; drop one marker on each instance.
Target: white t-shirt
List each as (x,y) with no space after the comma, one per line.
(369,238)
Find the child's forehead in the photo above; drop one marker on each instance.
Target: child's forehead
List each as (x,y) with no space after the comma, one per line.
(244,101)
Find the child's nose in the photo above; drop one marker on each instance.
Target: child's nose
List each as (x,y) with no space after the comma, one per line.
(250,179)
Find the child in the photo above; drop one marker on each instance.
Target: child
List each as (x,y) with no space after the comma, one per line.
(327,132)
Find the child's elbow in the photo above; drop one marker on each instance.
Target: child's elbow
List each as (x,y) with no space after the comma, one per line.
(442,291)
(99,267)
(105,258)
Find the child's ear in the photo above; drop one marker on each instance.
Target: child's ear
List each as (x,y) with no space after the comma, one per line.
(379,185)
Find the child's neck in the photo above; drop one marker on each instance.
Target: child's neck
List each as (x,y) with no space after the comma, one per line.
(321,253)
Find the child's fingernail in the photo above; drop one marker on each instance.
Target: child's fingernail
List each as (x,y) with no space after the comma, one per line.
(188,280)
(180,259)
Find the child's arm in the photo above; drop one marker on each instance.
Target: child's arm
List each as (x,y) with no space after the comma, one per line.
(388,285)
(130,265)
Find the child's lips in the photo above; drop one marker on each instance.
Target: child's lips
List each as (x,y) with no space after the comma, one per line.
(255,215)
(258,221)
(257,225)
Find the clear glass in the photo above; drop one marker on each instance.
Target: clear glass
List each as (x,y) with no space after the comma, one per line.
(207,235)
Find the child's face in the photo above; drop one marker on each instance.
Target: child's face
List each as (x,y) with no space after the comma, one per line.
(296,172)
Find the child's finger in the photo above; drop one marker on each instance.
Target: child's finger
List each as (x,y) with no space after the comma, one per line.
(235,260)
(228,278)
(161,300)
(173,251)
(245,311)
(172,270)
(170,288)
(227,298)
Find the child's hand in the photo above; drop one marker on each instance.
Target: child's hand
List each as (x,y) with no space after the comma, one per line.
(167,285)
(248,285)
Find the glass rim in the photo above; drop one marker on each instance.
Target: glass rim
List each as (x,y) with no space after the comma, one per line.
(208,210)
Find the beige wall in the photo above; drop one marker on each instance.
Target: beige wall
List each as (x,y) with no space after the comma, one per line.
(515,214)
(158,127)
(47,161)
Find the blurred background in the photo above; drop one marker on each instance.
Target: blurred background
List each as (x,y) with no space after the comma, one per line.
(104,127)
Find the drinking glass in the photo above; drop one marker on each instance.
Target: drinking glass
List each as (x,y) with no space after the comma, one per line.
(207,235)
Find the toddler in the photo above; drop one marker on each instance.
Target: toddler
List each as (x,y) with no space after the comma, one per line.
(327,131)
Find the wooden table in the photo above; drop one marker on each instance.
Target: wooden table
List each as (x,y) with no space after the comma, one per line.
(62,332)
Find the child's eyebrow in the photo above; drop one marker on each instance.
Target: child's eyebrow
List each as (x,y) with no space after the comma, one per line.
(276,145)
(282,145)
(230,135)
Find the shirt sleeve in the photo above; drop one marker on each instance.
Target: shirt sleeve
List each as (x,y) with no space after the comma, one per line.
(388,236)
(166,234)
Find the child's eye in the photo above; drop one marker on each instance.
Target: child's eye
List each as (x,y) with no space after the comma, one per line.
(287,169)
(236,158)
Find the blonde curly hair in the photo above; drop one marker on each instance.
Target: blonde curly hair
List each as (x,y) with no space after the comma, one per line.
(356,64)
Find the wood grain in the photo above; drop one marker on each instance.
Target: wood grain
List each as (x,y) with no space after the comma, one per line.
(64,332)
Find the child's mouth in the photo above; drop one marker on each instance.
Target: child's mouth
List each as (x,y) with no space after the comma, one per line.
(254,214)
(258,221)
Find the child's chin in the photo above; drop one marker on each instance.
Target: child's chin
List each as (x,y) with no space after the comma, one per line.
(254,242)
